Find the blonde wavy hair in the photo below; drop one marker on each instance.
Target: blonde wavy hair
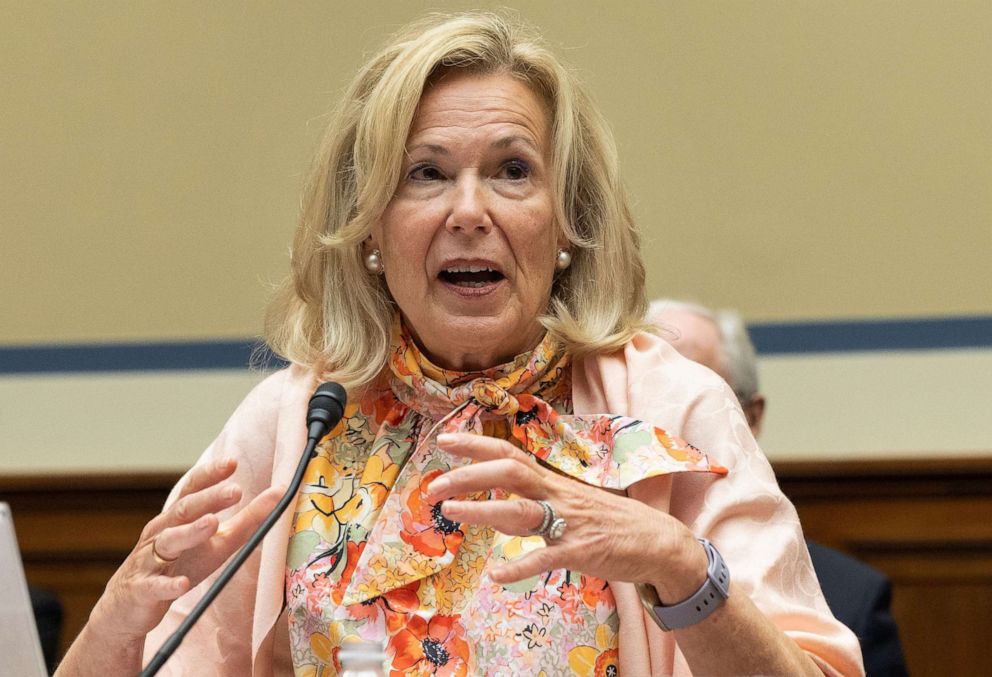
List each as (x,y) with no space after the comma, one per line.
(333,316)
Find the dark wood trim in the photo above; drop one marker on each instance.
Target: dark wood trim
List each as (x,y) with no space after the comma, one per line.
(919,471)
(889,478)
(72,483)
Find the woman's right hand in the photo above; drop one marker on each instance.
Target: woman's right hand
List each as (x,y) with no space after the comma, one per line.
(177,550)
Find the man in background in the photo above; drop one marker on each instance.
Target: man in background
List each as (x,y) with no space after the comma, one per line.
(48,617)
(857,594)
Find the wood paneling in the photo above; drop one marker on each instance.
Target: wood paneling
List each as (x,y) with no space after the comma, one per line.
(927,524)
(74,531)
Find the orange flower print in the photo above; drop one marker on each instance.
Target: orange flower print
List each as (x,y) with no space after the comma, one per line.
(434,648)
(569,602)
(532,409)
(384,409)
(393,605)
(424,527)
(533,423)
(593,590)
(678,448)
(601,432)
(354,554)
(607,664)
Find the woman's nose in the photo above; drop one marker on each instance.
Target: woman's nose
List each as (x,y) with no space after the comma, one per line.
(470,206)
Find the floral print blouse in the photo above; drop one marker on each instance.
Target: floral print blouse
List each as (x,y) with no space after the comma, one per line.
(371,558)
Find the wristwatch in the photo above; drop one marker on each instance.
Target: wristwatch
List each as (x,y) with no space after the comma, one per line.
(710,596)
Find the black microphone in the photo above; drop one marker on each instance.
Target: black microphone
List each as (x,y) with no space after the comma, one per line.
(325,410)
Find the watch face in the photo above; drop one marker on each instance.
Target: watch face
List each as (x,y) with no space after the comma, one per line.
(650,600)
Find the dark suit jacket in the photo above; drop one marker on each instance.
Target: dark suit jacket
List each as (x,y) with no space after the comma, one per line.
(860,597)
(48,616)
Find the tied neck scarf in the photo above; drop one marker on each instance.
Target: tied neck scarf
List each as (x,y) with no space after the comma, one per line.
(409,540)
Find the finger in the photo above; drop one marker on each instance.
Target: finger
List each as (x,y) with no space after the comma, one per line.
(165,588)
(235,531)
(208,474)
(480,447)
(533,563)
(506,473)
(512,517)
(212,499)
(174,541)
(200,478)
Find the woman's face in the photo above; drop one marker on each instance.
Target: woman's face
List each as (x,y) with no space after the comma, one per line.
(468,241)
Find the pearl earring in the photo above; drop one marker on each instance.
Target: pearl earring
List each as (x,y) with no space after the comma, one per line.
(563,260)
(373,262)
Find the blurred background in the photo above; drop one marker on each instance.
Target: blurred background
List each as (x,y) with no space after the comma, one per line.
(825,168)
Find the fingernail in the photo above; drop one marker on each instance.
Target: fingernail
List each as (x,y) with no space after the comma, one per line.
(449,509)
(445,439)
(231,492)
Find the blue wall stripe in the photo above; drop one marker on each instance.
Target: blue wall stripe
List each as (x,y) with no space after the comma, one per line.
(769,339)
(159,356)
(872,335)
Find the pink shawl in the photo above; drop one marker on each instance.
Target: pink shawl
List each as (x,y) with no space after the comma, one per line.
(745,514)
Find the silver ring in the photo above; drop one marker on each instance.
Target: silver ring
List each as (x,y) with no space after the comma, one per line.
(549,517)
(556,530)
(552,527)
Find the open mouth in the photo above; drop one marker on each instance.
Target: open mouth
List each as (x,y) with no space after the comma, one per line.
(470,276)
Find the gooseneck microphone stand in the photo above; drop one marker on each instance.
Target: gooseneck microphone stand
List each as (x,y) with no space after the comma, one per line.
(325,410)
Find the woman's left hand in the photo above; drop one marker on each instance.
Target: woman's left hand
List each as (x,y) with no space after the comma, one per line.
(607,535)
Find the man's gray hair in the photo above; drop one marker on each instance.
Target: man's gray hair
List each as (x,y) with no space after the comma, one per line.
(742,361)
(739,357)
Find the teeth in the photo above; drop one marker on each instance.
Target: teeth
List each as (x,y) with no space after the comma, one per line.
(471,284)
(469,269)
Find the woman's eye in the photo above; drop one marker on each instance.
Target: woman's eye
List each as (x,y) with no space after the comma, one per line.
(426,173)
(515,170)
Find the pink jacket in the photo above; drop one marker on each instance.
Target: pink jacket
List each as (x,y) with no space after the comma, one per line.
(745,514)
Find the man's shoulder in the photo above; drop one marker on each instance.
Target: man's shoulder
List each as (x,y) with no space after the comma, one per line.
(854,590)
(835,563)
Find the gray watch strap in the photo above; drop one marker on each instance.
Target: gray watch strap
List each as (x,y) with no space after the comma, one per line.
(710,596)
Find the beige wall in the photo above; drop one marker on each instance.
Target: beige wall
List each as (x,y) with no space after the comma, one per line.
(151,153)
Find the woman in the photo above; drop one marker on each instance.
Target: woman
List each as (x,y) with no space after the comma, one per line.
(467,268)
